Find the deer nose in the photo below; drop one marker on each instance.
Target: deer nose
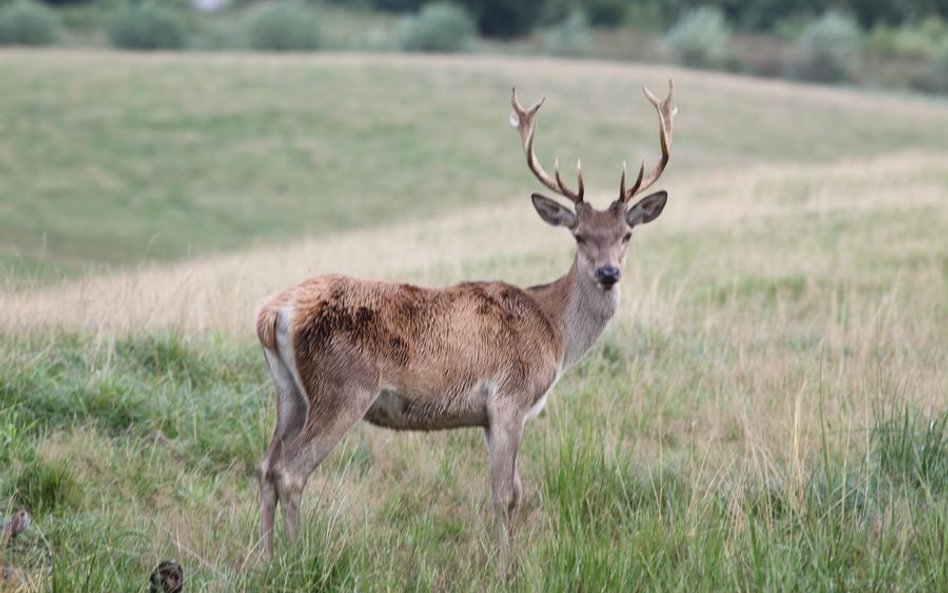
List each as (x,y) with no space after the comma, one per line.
(607,276)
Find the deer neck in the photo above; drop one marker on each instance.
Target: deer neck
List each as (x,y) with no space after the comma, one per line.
(579,308)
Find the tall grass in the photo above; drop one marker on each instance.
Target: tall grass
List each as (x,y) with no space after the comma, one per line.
(628,487)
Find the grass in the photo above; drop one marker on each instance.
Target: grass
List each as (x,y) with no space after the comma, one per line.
(619,495)
(190,154)
(766,413)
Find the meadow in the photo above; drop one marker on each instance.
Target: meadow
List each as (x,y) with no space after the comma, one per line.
(767,412)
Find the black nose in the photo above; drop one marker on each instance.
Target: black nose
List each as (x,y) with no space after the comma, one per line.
(607,275)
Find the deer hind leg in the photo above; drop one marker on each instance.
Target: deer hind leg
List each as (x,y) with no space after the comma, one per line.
(503,441)
(337,405)
(292,409)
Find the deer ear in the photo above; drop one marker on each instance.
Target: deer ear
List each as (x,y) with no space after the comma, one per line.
(647,209)
(552,212)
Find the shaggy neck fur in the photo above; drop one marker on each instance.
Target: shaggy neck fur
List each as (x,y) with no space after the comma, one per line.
(579,308)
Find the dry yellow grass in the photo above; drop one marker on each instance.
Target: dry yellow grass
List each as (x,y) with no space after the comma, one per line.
(219,293)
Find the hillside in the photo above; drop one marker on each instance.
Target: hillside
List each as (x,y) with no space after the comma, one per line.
(767,412)
(112,160)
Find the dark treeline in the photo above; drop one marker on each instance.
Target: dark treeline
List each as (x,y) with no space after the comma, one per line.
(510,18)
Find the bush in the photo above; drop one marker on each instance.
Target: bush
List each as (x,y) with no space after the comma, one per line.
(918,40)
(569,38)
(700,38)
(505,19)
(439,27)
(606,13)
(939,66)
(25,22)
(390,5)
(147,25)
(830,47)
(913,42)
(284,26)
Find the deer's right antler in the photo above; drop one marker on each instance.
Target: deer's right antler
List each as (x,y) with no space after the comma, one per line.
(525,124)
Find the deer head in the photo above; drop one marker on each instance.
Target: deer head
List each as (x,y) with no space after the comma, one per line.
(602,236)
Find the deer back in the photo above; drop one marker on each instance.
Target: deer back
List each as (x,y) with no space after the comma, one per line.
(422,341)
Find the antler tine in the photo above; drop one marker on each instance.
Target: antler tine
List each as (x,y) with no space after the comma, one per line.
(523,121)
(638,179)
(666,114)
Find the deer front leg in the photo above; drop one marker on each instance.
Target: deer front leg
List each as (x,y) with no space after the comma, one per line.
(503,440)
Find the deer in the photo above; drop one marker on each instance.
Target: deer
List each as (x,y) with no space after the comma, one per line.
(477,354)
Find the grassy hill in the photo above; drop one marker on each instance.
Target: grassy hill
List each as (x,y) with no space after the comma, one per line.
(767,411)
(109,159)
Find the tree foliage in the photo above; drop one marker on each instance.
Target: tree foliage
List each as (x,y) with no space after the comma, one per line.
(286,25)
(439,27)
(514,18)
(700,38)
(25,22)
(147,25)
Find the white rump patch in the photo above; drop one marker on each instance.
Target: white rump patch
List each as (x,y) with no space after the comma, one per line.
(285,344)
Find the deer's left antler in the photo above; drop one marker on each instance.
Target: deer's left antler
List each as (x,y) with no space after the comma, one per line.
(666,114)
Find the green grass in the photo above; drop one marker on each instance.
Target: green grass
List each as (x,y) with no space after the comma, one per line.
(766,413)
(167,470)
(110,160)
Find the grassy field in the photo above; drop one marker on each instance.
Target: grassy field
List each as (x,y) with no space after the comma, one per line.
(767,412)
(110,159)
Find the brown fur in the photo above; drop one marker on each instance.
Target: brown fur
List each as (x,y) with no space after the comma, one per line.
(429,345)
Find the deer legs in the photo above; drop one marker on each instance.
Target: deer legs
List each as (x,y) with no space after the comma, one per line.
(304,436)
(503,440)
(291,414)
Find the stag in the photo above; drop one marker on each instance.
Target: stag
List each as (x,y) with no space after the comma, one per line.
(478,354)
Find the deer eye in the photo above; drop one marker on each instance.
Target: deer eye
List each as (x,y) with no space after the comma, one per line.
(626,238)
(580,240)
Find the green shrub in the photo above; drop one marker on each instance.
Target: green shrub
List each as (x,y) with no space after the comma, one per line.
(939,66)
(388,5)
(505,19)
(569,38)
(439,27)
(146,26)
(700,38)
(286,25)
(606,13)
(830,47)
(217,34)
(881,40)
(25,22)
(934,26)
(913,40)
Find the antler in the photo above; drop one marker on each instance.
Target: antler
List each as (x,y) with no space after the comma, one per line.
(523,121)
(666,113)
